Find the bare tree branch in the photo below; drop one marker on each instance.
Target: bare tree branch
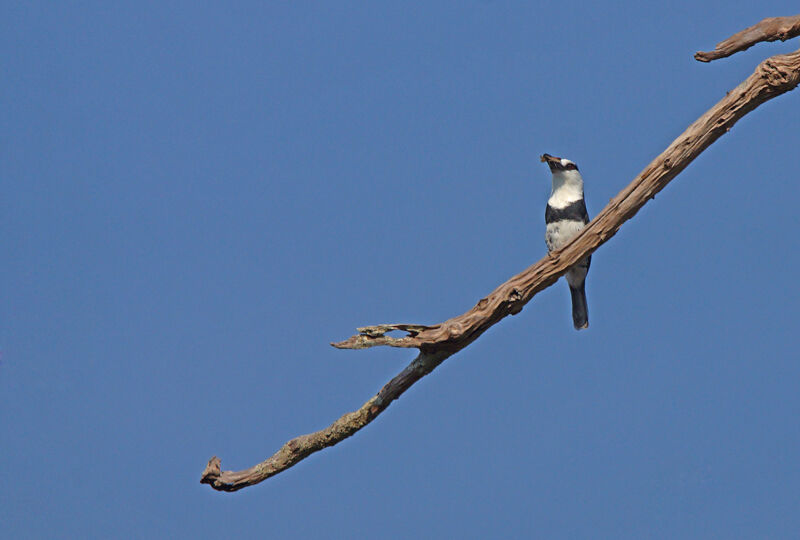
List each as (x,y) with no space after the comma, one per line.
(301,447)
(773,77)
(771,29)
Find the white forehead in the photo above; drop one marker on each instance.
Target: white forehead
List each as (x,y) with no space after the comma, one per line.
(565,162)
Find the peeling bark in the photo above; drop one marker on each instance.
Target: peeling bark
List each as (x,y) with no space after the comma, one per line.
(773,77)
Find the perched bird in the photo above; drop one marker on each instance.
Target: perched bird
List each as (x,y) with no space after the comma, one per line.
(565,217)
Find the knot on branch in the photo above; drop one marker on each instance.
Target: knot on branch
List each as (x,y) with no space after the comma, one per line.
(773,73)
(451,331)
(514,301)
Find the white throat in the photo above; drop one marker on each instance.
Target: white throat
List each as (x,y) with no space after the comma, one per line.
(567,188)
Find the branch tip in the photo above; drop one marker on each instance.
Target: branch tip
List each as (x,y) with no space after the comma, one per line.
(770,29)
(212,471)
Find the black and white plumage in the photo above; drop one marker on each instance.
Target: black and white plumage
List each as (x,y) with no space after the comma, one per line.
(565,217)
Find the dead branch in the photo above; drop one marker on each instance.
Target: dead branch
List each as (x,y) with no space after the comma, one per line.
(771,29)
(773,77)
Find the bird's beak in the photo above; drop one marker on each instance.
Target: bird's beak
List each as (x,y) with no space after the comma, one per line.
(547,158)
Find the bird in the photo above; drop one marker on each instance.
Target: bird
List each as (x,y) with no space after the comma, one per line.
(565,216)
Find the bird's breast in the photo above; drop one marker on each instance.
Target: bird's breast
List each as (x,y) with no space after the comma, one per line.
(558,233)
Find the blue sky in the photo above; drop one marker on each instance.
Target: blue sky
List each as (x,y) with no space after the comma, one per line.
(198,197)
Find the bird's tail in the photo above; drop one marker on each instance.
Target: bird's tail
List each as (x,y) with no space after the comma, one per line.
(580,311)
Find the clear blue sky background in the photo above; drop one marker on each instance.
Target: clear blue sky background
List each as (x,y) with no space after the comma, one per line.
(197,198)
